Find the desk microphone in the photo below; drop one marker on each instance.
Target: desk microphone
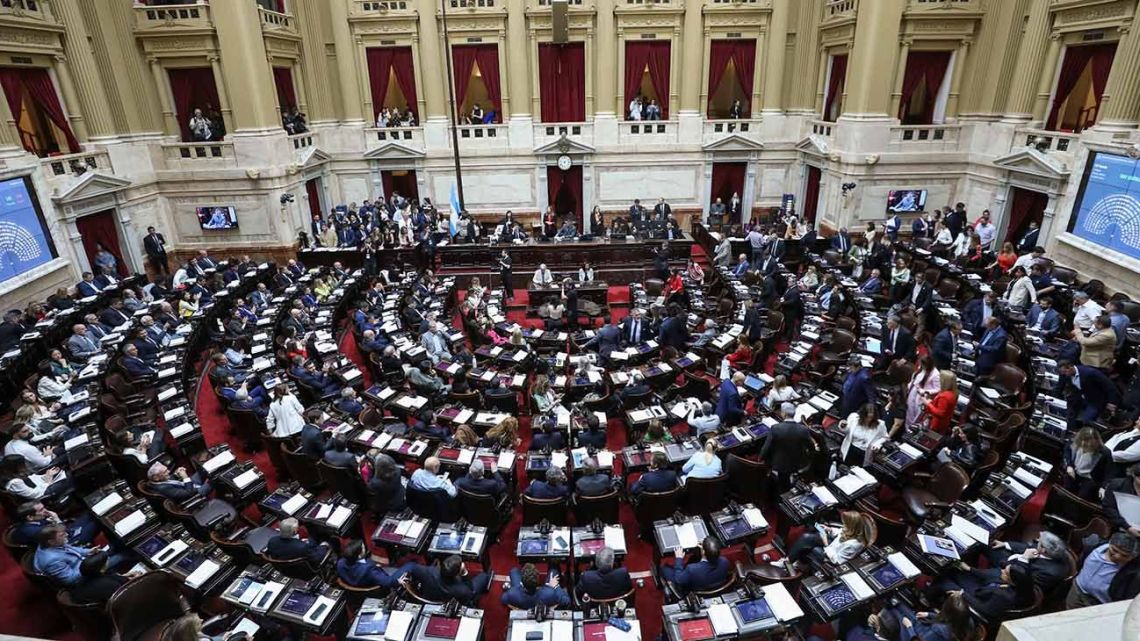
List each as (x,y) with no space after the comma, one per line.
(461,526)
(678,518)
(596,526)
(692,603)
(451,608)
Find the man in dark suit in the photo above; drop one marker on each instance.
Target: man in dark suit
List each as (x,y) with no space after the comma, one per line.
(148,350)
(729,406)
(659,478)
(710,572)
(634,329)
(636,212)
(1129,486)
(918,295)
(448,580)
(897,343)
(547,436)
(1047,558)
(478,481)
(497,396)
(32,517)
(526,592)
(349,403)
(607,339)
(338,455)
(593,482)
(12,329)
(553,487)
(955,221)
(662,211)
(604,581)
(287,545)
(1044,318)
(136,367)
(1029,241)
(314,440)
(570,300)
(88,287)
(792,306)
(788,445)
(858,390)
(841,242)
(977,312)
(991,347)
(873,285)
(675,329)
(945,345)
(1087,390)
(114,315)
(155,246)
(306,373)
(178,487)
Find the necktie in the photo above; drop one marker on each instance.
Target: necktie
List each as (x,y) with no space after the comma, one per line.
(1126,443)
(894,339)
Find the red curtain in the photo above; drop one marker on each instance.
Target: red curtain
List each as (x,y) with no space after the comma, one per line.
(742,53)
(313,192)
(571,181)
(192,89)
(923,66)
(727,178)
(404,183)
(100,229)
(562,82)
(835,86)
(655,55)
(37,85)
(1026,206)
(1072,66)
(811,194)
(286,93)
(381,62)
(463,60)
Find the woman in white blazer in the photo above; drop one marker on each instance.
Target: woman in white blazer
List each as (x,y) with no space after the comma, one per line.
(286,414)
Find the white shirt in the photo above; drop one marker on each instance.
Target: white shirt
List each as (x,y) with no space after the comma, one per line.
(1130,454)
(285,416)
(986,233)
(35,459)
(1021,292)
(840,550)
(944,237)
(635,110)
(180,277)
(1025,261)
(1084,315)
(777,396)
(542,277)
(961,244)
(861,436)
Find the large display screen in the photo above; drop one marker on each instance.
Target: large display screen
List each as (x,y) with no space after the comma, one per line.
(1108,204)
(906,200)
(217,218)
(24,240)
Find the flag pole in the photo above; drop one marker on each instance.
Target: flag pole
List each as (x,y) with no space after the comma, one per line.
(454,110)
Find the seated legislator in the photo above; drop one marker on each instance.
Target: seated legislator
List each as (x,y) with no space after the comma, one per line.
(604,581)
(477,481)
(554,487)
(659,478)
(178,487)
(593,481)
(1110,572)
(428,478)
(448,580)
(356,569)
(386,487)
(287,545)
(832,544)
(710,572)
(526,591)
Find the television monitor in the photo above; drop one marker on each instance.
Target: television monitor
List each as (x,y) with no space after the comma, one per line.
(24,239)
(905,201)
(1107,210)
(217,217)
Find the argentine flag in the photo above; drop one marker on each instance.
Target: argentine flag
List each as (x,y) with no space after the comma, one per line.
(453,223)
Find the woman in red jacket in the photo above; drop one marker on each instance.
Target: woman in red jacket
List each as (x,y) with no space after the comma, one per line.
(941,406)
(742,357)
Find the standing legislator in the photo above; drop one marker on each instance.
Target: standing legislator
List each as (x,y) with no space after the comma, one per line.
(505,274)
(155,246)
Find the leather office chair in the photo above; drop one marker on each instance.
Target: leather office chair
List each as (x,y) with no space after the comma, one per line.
(41,582)
(134,396)
(89,620)
(299,568)
(484,510)
(604,507)
(535,510)
(16,550)
(345,481)
(200,518)
(1013,613)
(655,506)
(436,505)
(889,530)
(838,348)
(1066,512)
(704,496)
(748,481)
(941,490)
(1097,525)
(141,609)
(302,468)
(247,427)
(355,596)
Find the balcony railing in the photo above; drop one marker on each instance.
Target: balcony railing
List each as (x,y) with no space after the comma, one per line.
(652,132)
(546,133)
(1045,141)
(837,8)
(34,9)
(272,20)
(928,4)
(925,137)
(649,1)
(822,128)
(76,164)
(721,128)
(484,135)
(303,141)
(199,155)
(412,137)
(471,4)
(373,7)
(573,3)
(182,15)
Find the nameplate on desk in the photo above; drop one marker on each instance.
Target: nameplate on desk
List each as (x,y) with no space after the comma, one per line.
(76,415)
(218,461)
(167,554)
(130,523)
(107,503)
(202,574)
(174,412)
(167,393)
(246,478)
(74,442)
(181,430)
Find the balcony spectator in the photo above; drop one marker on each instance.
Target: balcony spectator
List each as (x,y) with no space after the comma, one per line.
(295,122)
(201,129)
(653,111)
(635,108)
(736,112)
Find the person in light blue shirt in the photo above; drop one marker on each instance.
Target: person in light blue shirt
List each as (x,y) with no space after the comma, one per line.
(1094,583)
(1119,322)
(704,464)
(428,478)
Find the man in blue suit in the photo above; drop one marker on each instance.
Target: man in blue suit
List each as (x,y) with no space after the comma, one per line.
(873,285)
(604,581)
(945,344)
(858,390)
(478,482)
(711,571)
(88,286)
(977,312)
(306,373)
(742,266)
(1087,390)
(593,482)
(991,347)
(659,478)
(1044,318)
(356,569)
(337,454)
(841,242)
(32,517)
(554,487)
(349,403)
(607,339)
(1029,241)
(526,592)
(729,407)
(287,545)
(178,487)
(675,329)
(136,367)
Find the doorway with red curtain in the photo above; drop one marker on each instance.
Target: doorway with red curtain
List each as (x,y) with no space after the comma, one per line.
(34,90)
(400,181)
(1097,59)
(464,59)
(101,229)
(925,72)
(651,55)
(562,81)
(564,192)
(741,54)
(194,88)
(1025,206)
(811,195)
(286,92)
(728,179)
(313,192)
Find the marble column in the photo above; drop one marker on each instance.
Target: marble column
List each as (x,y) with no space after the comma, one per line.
(773,100)
(316,89)
(9,136)
(956,80)
(900,72)
(1045,82)
(432,63)
(606,74)
(70,100)
(1120,106)
(869,82)
(692,56)
(518,58)
(1031,62)
(352,106)
(162,82)
(89,85)
(244,83)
